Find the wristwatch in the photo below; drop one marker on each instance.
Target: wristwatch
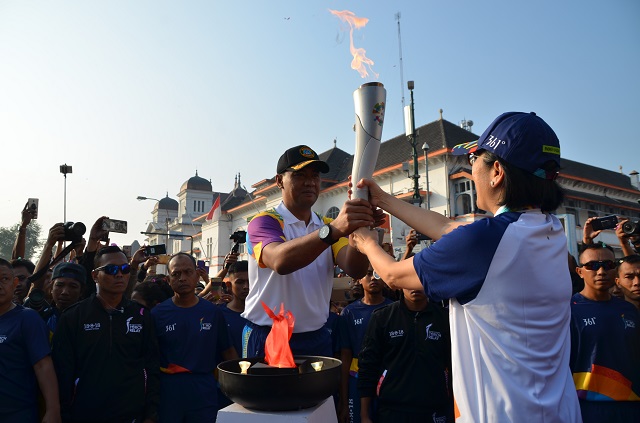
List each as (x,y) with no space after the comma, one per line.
(325,234)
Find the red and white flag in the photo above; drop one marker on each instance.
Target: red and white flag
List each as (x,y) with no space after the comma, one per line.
(214,213)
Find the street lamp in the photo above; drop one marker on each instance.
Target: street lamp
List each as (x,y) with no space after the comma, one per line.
(425,148)
(141,198)
(410,124)
(64,169)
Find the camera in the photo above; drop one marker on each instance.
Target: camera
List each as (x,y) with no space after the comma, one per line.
(631,228)
(239,237)
(607,222)
(155,250)
(36,300)
(73,231)
(112,225)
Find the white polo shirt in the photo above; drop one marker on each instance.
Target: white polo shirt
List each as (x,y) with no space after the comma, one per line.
(305,292)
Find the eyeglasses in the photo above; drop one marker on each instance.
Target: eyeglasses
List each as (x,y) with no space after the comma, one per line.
(373,274)
(472,157)
(112,269)
(597,264)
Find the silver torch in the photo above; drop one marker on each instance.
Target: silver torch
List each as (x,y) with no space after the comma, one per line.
(369,102)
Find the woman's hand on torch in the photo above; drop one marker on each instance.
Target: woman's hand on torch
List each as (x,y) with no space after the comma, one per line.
(362,238)
(377,197)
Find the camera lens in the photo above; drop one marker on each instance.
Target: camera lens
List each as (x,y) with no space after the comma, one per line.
(630,228)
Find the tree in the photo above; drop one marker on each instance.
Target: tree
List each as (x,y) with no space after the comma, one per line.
(8,238)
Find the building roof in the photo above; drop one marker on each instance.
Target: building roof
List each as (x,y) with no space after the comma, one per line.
(166,203)
(197,183)
(235,197)
(442,135)
(595,174)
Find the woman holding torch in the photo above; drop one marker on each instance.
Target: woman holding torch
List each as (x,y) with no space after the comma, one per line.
(506,277)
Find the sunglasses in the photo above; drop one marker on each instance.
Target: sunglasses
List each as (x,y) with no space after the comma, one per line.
(597,264)
(112,269)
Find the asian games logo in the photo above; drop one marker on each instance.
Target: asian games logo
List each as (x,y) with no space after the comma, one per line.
(133,327)
(432,334)
(628,323)
(3,338)
(204,325)
(378,111)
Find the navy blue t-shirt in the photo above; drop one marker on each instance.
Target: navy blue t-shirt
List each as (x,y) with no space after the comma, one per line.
(24,341)
(235,326)
(353,323)
(190,338)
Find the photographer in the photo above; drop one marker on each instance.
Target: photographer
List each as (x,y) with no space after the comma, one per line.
(19,248)
(39,288)
(627,241)
(229,259)
(96,235)
(411,240)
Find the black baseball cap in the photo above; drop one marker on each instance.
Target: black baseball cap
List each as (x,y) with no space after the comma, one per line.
(69,270)
(298,157)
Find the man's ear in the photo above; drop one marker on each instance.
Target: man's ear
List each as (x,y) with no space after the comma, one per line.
(94,275)
(579,272)
(279,181)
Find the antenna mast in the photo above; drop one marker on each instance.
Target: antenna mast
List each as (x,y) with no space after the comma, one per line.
(401,69)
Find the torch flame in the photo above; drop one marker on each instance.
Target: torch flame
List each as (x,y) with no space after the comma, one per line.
(360,61)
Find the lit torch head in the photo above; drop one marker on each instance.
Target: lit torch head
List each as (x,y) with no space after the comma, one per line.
(369,102)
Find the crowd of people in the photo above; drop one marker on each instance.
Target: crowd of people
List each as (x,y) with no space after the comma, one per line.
(487,324)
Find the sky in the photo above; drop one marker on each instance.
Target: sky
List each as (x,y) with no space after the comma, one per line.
(138,95)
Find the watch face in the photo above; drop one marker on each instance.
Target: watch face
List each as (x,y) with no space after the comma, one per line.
(324,232)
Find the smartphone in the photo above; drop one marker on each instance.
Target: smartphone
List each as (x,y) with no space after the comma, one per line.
(606,222)
(201,265)
(421,237)
(155,250)
(32,204)
(218,287)
(113,225)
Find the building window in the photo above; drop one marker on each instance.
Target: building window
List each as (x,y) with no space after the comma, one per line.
(464,197)
(333,212)
(209,247)
(569,210)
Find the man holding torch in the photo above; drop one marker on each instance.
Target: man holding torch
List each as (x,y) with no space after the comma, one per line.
(293,252)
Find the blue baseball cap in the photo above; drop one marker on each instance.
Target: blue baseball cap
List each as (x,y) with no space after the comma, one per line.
(521,139)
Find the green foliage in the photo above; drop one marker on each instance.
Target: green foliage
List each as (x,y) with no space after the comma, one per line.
(8,238)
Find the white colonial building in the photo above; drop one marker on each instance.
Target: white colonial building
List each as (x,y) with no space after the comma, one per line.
(590,191)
